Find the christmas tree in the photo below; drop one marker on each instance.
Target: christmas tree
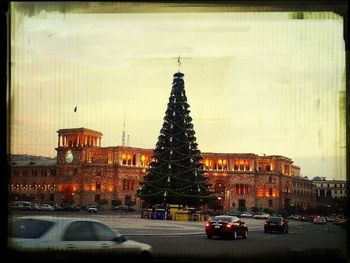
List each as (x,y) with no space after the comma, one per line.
(175,174)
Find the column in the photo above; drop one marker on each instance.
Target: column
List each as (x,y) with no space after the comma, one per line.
(59,140)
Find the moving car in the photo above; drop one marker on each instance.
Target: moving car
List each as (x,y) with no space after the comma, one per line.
(226,226)
(276,223)
(61,235)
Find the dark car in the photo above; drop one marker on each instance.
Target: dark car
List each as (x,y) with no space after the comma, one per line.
(69,207)
(226,226)
(124,208)
(276,223)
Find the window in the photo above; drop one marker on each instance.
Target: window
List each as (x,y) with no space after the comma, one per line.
(270,191)
(247,167)
(98,173)
(75,173)
(268,168)
(134,159)
(97,198)
(270,203)
(98,185)
(79,231)
(241,203)
(28,228)
(241,167)
(103,233)
(235,167)
(286,169)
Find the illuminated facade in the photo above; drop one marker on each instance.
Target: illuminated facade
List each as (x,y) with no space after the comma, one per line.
(85,172)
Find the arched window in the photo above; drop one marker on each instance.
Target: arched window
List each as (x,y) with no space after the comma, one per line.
(98,185)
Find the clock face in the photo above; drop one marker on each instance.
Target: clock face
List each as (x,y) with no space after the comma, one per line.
(69,157)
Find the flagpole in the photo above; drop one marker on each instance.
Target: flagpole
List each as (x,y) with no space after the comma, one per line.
(74,116)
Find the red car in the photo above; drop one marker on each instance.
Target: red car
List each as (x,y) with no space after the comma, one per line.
(226,226)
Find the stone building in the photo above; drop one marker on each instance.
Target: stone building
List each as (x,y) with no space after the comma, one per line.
(85,172)
(330,195)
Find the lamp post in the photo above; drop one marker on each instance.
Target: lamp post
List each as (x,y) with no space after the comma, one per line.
(165,205)
(222,206)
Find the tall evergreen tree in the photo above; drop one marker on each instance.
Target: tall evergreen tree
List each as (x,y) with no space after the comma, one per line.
(175,174)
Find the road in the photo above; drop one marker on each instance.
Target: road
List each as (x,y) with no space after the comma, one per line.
(176,239)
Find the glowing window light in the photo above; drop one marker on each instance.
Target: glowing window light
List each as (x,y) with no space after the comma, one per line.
(143,158)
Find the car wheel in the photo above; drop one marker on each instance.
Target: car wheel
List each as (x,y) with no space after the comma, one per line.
(209,236)
(146,256)
(234,235)
(245,234)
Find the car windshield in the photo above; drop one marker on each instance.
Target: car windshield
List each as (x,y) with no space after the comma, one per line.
(28,228)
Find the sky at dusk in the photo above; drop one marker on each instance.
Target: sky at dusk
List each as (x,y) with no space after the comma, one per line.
(258,83)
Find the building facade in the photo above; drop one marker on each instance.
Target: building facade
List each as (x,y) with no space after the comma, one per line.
(85,172)
(330,195)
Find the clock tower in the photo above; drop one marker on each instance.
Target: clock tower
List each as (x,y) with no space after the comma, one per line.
(73,150)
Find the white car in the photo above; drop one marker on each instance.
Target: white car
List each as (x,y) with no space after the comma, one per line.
(62,234)
(46,207)
(261,216)
(92,209)
(246,215)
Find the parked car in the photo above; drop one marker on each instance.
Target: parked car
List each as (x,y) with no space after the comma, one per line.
(320,220)
(226,226)
(340,220)
(276,223)
(92,208)
(32,234)
(123,208)
(46,207)
(261,216)
(69,207)
(246,215)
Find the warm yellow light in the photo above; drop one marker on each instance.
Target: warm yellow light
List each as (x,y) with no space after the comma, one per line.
(124,156)
(110,188)
(93,188)
(206,162)
(224,162)
(219,161)
(143,158)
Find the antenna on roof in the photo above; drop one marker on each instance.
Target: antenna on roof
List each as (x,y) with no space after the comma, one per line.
(123,133)
(128,141)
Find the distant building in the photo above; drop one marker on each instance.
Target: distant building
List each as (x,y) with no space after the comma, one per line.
(331,195)
(85,172)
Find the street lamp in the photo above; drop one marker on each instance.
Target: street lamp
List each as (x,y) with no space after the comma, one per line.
(165,205)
